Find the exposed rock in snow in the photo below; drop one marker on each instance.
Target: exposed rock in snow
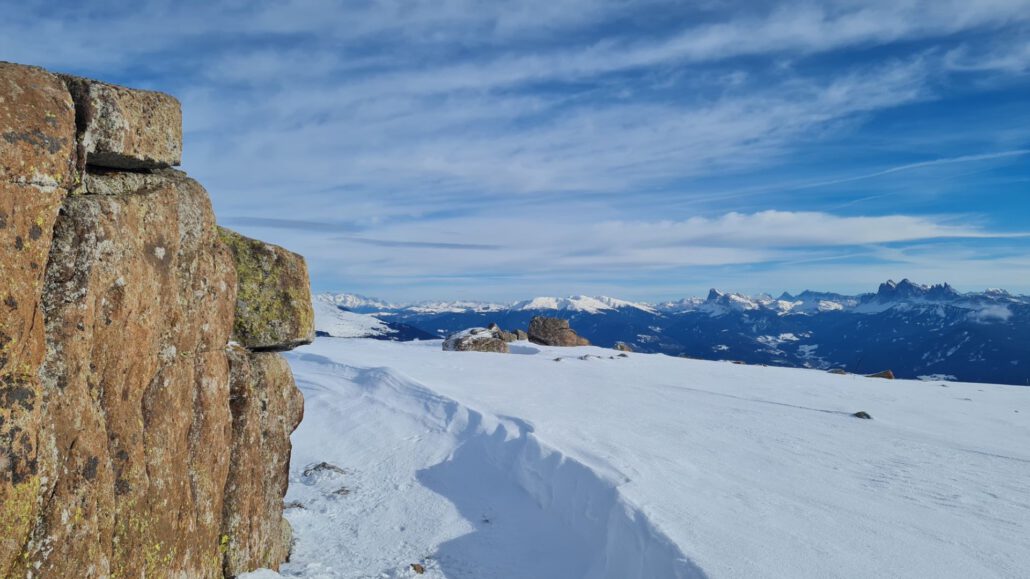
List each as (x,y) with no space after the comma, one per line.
(477,340)
(553,332)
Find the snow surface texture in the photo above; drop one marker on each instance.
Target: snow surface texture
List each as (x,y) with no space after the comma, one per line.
(479,465)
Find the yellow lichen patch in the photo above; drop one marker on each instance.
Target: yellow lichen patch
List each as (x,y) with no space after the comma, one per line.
(18,504)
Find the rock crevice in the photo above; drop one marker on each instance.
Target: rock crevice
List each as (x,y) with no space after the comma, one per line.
(144,421)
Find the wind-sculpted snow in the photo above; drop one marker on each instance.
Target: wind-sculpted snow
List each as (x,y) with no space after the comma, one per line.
(486,496)
(586,462)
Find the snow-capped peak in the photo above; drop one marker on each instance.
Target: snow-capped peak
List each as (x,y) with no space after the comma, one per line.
(719,303)
(907,290)
(585,304)
(454,307)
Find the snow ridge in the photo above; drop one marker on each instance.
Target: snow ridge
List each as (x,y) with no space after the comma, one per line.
(591,529)
(623,541)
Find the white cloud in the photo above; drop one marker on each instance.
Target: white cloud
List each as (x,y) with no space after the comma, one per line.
(523,251)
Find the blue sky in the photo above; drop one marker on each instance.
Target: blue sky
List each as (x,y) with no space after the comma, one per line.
(647,150)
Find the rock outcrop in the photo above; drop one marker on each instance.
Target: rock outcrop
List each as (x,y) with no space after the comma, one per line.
(886,374)
(503,334)
(554,332)
(477,340)
(135,439)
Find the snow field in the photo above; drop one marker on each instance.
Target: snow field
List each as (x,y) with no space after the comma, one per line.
(499,466)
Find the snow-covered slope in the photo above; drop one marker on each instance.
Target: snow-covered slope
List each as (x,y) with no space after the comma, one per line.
(339,323)
(480,465)
(333,321)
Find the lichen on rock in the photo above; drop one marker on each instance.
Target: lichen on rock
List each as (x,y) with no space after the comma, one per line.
(125,128)
(273,305)
(37,159)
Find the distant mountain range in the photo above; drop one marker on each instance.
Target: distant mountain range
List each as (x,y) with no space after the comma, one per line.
(918,331)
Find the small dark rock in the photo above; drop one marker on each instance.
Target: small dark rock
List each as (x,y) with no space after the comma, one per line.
(323,467)
(863,415)
(418,569)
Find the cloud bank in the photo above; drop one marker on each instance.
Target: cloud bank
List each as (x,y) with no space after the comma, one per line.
(429,149)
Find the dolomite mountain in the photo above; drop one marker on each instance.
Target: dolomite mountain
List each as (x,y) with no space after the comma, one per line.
(145,413)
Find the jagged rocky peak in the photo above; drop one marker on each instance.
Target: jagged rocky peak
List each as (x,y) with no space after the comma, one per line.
(141,432)
(906,289)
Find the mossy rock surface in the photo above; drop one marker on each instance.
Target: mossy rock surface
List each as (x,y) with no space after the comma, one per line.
(273,302)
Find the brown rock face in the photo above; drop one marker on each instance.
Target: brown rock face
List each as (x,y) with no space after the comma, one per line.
(553,332)
(266,407)
(273,307)
(138,303)
(133,442)
(124,128)
(37,128)
(37,160)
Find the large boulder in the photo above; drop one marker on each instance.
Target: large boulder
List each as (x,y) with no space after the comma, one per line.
(554,332)
(131,444)
(125,128)
(476,340)
(273,306)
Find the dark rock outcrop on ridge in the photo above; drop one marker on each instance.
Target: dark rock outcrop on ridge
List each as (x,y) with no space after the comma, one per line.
(135,438)
(554,332)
